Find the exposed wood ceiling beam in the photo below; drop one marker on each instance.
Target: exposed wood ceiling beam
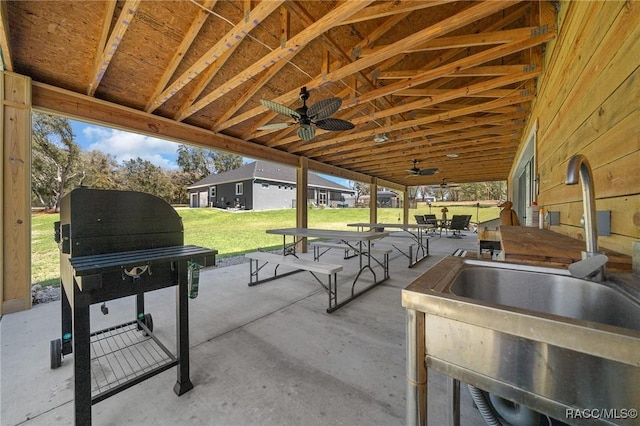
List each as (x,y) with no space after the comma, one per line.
(429,154)
(258,84)
(110,48)
(465,41)
(449,24)
(296,43)
(187,41)
(380,30)
(421,93)
(205,78)
(393,8)
(232,38)
(5,52)
(355,149)
(452,94)
(432,74)
(456,131)
(479,71)
(483,107)
(455,94)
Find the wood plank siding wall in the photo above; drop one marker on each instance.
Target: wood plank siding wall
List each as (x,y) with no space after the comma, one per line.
(589,102)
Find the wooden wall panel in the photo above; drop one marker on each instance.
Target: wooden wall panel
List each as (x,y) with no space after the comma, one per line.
(15,288)
(589,102)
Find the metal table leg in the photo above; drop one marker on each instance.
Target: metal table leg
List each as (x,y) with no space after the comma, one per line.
(454,401)
(183,383)
(416,370)
(81,357)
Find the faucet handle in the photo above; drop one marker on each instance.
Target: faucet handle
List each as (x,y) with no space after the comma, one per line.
(588,266)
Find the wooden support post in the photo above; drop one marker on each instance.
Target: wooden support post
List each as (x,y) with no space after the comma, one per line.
(15,204)
(301,199)
(405,206)
(373,201)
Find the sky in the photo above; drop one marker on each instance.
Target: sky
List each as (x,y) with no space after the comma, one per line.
(124,146)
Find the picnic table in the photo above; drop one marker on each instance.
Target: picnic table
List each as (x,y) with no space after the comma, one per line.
(360,242)
(415,231)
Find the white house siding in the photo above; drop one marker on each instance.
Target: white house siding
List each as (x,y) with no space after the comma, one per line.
(273,196)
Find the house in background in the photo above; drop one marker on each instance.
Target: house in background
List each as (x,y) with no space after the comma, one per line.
(262,185)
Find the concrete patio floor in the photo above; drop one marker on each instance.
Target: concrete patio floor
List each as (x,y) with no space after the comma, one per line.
(263,355)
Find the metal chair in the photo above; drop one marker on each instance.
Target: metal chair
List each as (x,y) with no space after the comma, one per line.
(458,223)
(431,220)
(420,219)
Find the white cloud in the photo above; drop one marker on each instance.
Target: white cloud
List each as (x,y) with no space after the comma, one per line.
(126,146)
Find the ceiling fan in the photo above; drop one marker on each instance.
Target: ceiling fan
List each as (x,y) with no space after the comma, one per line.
(416,171)
(446,184)
(317,115)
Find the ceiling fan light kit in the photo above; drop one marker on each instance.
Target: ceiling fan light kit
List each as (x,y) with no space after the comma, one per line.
(380,138)
(317,115)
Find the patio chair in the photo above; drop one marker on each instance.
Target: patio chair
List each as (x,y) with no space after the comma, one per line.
(458,223)
(431,220)
(420,219)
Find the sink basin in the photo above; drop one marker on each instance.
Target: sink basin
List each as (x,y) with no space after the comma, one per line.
(547,293)
(536,336)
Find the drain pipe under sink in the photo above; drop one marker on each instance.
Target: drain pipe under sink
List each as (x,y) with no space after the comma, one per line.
(484,406)
(489,404)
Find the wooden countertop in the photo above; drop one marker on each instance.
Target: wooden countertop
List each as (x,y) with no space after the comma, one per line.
(543,247)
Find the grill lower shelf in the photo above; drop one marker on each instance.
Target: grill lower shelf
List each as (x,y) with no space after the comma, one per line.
(124,355)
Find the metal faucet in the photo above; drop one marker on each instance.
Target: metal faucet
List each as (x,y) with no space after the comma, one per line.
(579,166)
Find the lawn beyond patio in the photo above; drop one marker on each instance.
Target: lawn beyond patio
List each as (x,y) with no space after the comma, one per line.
(235,233)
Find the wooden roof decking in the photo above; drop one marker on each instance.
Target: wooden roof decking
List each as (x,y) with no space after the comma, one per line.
(436,77)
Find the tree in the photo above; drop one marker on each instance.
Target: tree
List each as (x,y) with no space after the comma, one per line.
(195,162)
(198,163)
(141,175)
(360,189)
(98,170)
(55,159)
(223,162)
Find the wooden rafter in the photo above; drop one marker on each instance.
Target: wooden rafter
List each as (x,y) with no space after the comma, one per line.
(333,48)
(106,54)
(5,51)
(393,8)
(449,95)
(483,107)
(452,132)
(232,38)
(331,19)
(449,24)
(178,55)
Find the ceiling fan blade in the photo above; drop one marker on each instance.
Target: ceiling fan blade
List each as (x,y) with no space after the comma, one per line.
(428,172)
(334,124)
(275,126)
(413,171)
(280,109)
(306,132)
(324,108)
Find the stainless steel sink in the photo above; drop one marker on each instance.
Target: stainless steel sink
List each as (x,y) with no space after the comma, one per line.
(549,293)
(536,336)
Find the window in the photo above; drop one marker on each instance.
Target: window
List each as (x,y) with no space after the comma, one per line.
(239,188)
(212,192)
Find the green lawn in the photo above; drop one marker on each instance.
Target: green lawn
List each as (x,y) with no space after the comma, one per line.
(233,233)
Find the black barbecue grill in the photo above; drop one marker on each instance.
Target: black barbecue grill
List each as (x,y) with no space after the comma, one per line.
(115,244)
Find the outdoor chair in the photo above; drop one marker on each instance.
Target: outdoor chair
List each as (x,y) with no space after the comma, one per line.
(458,223)
(431,220)
(420,219)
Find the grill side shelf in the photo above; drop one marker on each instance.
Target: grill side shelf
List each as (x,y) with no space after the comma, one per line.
(97,264)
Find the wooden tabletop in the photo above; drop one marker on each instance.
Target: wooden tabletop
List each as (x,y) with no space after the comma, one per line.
(547,248)
(393,225)
(329,233)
